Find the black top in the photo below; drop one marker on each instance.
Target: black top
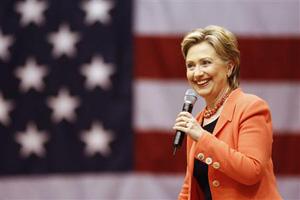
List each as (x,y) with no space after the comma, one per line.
(201,169)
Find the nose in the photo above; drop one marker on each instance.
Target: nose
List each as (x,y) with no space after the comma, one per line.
(198,72)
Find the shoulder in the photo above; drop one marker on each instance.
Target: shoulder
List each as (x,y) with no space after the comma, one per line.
(250,104)
(246,100)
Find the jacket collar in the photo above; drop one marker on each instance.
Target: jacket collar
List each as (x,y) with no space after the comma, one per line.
(227,112)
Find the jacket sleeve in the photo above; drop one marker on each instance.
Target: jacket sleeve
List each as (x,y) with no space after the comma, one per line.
(184,193)
(245,162)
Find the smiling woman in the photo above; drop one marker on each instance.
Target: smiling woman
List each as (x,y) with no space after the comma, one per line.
(229,143)
(206,72)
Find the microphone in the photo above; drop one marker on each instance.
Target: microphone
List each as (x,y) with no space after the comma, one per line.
(189,100)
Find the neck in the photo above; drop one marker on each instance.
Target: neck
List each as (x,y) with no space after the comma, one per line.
(212,103)
(218,103)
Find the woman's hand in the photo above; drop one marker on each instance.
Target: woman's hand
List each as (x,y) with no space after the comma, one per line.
(185,122)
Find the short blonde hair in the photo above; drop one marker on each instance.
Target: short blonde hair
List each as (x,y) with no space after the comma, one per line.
(223,41)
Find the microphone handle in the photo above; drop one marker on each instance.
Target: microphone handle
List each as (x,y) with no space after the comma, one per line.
(179,136)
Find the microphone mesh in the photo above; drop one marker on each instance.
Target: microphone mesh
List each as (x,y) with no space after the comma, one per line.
(190,96)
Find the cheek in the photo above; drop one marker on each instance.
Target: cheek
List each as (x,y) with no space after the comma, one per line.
(189,75)
(216,74)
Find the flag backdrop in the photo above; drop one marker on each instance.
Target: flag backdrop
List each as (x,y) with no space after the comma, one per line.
(89,92)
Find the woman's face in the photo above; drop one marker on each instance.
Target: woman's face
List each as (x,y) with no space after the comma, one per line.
(206,71)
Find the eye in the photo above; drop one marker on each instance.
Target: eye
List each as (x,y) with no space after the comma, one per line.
(190,65)
(206,62)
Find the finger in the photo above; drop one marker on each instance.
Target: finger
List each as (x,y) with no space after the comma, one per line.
(184,114)
(180,128)
(189,125)
(186,125)
(182,118)
(181,124)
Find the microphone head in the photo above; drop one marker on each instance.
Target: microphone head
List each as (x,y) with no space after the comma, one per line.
(190,96)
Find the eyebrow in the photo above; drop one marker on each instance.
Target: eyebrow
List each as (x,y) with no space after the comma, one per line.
(201,59)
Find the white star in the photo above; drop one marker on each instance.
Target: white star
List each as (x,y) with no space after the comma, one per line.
(31,75)
(31,11)
(5,43)
(63,106)
(64,41)
(31,141)
(97,139)
(97,73)
(97,10)
(5,107)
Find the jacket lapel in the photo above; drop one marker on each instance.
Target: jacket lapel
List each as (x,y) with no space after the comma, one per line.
(225,117)
(227,112)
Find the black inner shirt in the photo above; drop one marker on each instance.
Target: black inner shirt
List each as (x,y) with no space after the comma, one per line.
(201,169)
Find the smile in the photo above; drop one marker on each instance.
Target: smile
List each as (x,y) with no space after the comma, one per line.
(202,83)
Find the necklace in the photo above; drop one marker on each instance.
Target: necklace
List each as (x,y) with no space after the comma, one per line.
(208,112)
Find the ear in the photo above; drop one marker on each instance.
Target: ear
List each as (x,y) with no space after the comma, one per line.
(230,67)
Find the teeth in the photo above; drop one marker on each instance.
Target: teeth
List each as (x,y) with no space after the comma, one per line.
(202,82)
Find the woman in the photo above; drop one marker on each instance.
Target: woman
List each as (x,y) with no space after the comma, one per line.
(229,144)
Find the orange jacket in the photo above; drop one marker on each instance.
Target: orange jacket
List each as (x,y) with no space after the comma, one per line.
(238,153)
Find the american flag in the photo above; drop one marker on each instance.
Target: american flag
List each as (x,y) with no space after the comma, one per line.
(89,90)
(65,92)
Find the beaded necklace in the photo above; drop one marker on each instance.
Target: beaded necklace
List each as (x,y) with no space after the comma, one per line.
(208,112)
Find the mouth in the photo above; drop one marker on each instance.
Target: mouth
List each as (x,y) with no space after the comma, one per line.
(202,83)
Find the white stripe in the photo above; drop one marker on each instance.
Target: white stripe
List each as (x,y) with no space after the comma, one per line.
(158,102)
(289,187)
(111,187)
(243,17)
(91,187)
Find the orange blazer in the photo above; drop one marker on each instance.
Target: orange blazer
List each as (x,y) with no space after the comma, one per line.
(238,153)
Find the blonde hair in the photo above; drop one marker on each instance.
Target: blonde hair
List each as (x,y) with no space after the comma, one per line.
(223,41)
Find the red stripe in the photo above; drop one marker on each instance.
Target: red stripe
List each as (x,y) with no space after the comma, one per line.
(158,57)
(286,150)
(261,58)
(153,153)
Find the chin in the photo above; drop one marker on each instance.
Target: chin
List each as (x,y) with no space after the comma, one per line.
(203,92)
